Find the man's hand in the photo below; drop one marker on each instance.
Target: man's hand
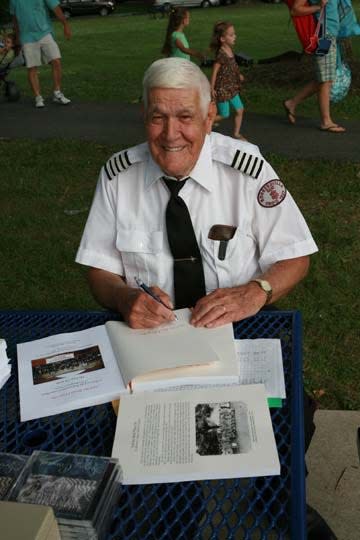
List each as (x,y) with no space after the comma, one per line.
(228,305)
(233,304)
(140,310)
(137,307)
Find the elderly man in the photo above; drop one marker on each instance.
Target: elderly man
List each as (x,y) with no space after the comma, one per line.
(200,218)
(137,229)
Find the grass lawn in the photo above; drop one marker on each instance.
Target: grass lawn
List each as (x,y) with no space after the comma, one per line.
(46,187)
(106,58)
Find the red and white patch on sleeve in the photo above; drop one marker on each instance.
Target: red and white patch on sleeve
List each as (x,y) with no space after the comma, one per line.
(271,194)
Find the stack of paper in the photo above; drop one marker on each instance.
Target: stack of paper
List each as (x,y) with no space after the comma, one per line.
(82,490)
(5,366)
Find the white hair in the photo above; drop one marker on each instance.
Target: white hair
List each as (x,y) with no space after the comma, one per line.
(177,73)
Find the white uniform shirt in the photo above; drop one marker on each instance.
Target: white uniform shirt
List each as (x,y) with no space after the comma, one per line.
(126,232)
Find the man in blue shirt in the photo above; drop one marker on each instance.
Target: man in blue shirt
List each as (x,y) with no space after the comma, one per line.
(34,31)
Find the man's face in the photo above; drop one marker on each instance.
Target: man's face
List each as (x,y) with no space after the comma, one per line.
(176,128)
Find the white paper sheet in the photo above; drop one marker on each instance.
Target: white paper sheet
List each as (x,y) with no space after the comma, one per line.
(260,361)
(195,434)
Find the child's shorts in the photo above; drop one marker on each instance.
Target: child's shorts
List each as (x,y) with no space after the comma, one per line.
(223,107)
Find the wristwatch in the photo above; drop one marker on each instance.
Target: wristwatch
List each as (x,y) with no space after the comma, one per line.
(266,287)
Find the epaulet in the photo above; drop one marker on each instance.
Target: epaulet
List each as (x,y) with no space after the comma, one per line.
(121,161)
(247,163)
(242,156)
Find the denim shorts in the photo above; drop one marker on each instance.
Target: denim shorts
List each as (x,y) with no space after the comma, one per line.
(223,107)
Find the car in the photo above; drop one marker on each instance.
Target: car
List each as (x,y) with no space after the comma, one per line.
(87,7)
(166,4)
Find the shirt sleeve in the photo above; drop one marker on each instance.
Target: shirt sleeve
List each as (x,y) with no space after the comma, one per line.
(52,4)
(178,36)
(98,244)
(278,225)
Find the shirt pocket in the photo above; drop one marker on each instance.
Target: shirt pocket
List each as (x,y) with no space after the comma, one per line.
(141,254)
(240,257)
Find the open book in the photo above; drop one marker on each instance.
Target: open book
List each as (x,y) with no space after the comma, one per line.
(195,435)
(74,370)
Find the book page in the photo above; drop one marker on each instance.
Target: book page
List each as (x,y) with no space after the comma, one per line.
(260,361)
(150,355)
(196,434)
(67,371)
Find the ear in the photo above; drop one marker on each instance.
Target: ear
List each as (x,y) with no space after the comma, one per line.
(210,116)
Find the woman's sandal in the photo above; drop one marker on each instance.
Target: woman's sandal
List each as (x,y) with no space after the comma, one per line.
(289,114)
(333,128)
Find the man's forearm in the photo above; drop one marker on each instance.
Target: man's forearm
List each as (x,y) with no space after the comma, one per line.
(284,275)
(107,288)
(60,15)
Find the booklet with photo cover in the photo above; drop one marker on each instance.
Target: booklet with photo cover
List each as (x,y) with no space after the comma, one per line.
(196,434)
(79,369)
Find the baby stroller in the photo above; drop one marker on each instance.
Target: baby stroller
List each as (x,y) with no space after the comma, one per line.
(11,91)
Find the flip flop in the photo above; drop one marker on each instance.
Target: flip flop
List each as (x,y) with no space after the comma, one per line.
(333,128)
(290,115)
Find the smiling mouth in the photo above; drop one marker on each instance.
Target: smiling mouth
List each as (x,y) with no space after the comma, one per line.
(173,148)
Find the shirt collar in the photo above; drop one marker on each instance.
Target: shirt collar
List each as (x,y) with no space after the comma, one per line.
(202,173)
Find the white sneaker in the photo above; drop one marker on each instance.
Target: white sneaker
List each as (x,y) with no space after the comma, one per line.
(60,98)
(39,102)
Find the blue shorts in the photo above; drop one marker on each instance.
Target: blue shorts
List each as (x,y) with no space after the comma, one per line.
(223,107)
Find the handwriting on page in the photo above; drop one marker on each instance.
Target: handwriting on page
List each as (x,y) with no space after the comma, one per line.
(254,368)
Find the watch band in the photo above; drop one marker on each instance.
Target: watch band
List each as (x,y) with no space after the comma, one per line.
(265,286)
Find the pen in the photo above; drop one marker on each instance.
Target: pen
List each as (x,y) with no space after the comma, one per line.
(147,289)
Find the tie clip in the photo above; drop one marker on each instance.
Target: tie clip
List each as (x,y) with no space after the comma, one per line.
(191,259)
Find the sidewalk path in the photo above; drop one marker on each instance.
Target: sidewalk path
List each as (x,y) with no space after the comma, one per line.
(121,124)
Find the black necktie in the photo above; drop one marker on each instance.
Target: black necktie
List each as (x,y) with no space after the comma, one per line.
(189,282)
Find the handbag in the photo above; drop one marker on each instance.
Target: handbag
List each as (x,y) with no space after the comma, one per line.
(341,84)
(318,43)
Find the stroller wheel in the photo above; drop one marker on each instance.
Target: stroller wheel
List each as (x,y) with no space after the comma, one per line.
(12,92)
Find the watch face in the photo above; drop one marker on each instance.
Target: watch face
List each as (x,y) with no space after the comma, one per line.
(266,286)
